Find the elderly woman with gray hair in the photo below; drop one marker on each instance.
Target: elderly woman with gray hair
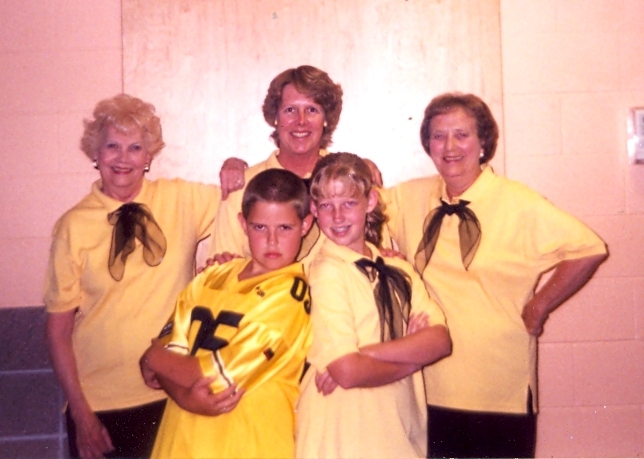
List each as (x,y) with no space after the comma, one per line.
(481,243)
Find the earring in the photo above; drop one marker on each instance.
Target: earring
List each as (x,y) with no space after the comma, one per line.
(147,167)
(325,125)
(481,154)
(95,164)
(275,122)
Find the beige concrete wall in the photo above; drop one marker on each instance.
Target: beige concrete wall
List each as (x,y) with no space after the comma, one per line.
(56,60)
(571,70)
(207,66)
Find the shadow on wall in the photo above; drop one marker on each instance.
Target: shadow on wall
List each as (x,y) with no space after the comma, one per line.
(31,425)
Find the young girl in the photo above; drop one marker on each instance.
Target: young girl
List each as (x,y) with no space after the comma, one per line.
(374,327)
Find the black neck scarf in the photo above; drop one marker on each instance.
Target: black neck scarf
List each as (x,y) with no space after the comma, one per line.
(134,221)
(392,294)
(469,232)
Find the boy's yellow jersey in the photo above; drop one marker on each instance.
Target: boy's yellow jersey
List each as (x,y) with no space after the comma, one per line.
(255,333)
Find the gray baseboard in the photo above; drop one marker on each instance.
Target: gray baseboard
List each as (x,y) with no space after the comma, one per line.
(31,425)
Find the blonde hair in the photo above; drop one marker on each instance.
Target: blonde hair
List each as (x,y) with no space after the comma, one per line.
(126,114)
(355,176)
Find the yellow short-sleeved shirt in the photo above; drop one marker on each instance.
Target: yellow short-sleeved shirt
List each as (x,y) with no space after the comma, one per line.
(387,421)
(254,333)
(227,233)
(116,320)
(493,361)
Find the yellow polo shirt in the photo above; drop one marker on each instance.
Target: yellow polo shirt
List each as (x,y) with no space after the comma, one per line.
(227,233)
(386,421)
(493,362)
(116,320)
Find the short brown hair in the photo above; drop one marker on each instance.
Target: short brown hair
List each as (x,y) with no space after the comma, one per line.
(486,127)
(125,113)
(352,171)
(317,85)
(276,185)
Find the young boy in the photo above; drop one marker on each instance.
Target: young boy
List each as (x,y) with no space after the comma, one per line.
(245,324)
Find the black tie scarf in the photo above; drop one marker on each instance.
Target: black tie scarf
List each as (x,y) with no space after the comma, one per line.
(469,232)
(392,294)
(134,221)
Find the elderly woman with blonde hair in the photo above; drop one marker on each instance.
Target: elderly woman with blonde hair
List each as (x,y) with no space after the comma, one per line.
(118,260)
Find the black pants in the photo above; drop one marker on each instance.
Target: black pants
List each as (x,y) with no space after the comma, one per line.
(456,433)
(132,430)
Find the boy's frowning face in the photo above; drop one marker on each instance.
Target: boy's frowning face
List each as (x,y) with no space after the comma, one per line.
(274,233)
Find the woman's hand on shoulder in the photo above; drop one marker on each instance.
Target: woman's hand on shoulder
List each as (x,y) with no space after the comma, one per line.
(219,258)
(391,253)
(376,176)
(231,176)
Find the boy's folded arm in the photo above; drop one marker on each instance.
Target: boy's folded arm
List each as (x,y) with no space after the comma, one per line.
(421,348)
(360,370)
(171,367)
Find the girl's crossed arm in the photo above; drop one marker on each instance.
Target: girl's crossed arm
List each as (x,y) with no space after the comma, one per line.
(425,340)
(360,370)
(421,346)
(382,363)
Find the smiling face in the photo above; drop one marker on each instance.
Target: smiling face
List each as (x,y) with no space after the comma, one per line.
(342,217)
(274,232)
(455,148)
(300,123)
(121,160)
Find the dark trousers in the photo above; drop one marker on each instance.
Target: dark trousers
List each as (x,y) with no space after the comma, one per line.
(132,430)
(456,433)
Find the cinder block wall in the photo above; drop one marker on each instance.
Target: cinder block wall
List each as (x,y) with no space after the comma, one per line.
(571,70)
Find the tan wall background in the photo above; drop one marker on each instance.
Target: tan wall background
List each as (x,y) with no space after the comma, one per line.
(570,70)
(207,66)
